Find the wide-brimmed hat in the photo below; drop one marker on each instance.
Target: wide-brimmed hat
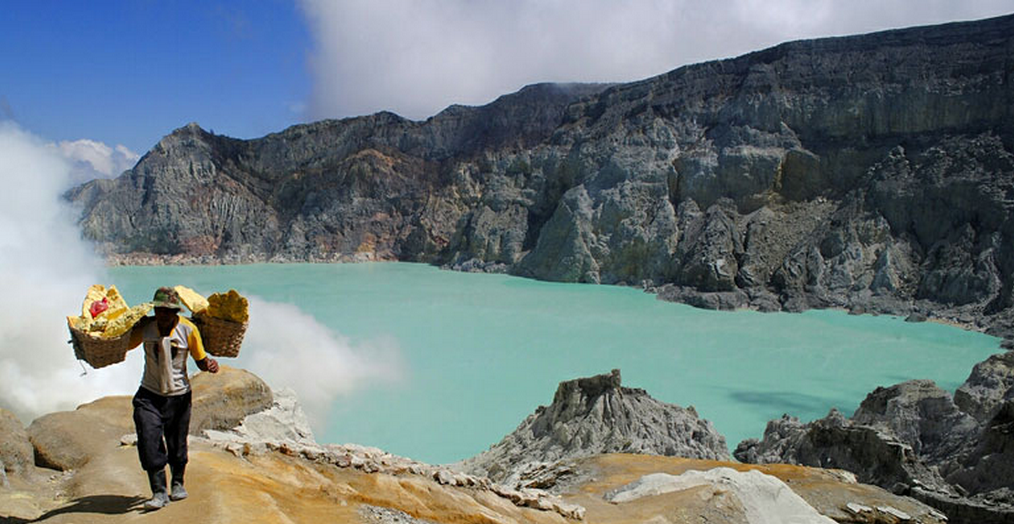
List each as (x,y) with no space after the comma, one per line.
(166,297)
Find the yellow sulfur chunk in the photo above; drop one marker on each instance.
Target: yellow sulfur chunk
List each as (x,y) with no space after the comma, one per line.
(115,300)
(115,320)
(95,294)
(113,314)
(125,320)
(97,326)
(194,301)
(229,306)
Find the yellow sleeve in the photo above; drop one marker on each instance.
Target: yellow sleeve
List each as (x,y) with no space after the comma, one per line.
(194,341)
(136,336)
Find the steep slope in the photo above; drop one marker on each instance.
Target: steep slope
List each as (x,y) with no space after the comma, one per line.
(871,172)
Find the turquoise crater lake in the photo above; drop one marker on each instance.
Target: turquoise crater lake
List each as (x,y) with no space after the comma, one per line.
(479,352)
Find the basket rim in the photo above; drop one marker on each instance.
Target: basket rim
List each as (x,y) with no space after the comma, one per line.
(88,337)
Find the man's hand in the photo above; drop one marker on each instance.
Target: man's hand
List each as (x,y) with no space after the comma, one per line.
(208,364)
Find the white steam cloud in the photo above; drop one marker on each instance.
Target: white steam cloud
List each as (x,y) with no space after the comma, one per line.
(90,159)
(46,270)
(289,348)
(415,57)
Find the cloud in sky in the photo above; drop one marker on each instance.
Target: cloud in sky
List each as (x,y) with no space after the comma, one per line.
(415,57)
(46,270)
(90,159)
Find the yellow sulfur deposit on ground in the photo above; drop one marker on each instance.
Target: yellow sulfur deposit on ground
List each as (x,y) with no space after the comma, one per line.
(115,320)
(228,306)
(194,301)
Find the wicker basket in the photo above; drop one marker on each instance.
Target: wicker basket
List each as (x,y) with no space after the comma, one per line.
(99,352)
(222,338)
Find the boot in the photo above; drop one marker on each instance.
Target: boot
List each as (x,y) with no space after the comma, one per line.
(178,491)
(159,497)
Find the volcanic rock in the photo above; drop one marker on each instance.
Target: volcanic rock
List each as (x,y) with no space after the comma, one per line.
(598,415)
(912,438)
(990,384)
(15,448)
(222,400)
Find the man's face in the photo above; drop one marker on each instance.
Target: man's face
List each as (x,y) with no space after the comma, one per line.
(165,317)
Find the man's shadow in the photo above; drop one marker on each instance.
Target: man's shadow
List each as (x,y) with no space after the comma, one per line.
(104,504)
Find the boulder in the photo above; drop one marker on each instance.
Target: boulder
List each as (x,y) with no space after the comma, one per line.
(68,439)
(15,448)
(222,400)
(284,421)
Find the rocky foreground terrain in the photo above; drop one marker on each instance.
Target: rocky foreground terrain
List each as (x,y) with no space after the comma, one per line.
(873,173)
(254,459)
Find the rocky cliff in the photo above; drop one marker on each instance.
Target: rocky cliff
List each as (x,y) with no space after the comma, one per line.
(871,172)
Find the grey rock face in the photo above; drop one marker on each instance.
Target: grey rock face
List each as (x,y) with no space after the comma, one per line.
(15,449)
(922,416)
(870,172)
(989,468)
(876,457)
(597,415)
(988,387)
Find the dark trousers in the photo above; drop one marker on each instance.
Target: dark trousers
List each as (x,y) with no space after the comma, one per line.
(162,425)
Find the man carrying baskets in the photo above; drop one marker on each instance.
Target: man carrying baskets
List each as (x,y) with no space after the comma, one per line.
(162,403)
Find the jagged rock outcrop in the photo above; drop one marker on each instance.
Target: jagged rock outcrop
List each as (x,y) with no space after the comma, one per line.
(988,387)
(871,172)
(913,438)
(596,415)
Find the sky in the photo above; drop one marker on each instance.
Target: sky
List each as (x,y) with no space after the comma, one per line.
(104,80)
(86,88)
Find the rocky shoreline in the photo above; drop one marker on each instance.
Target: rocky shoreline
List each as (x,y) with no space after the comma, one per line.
(912,311)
